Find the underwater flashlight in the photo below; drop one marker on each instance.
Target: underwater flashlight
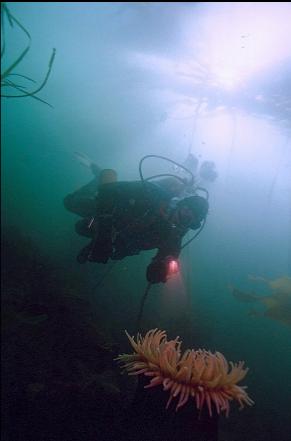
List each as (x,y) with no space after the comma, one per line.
(173,267)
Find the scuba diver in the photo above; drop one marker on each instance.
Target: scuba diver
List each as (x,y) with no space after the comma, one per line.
(124,218)
(207,171)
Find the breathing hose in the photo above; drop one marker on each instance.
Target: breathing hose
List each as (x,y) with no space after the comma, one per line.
(143,299)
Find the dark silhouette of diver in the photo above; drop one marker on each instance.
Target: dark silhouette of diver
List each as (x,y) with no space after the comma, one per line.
(124,218)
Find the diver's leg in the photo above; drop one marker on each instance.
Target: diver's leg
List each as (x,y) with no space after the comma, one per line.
(82,257)
(83,200)
(86,227)
(101,247)
(85,160)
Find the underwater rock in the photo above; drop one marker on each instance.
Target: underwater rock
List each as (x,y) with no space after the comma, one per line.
(56,362)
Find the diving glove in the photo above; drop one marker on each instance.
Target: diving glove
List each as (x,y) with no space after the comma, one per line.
(157,271)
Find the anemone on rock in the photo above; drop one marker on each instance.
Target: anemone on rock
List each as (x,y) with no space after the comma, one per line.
(199,374)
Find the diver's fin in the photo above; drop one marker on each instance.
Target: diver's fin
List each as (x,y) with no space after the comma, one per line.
(83,159)
(87,162)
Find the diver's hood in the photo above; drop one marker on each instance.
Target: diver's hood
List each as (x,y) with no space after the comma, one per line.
(198,205)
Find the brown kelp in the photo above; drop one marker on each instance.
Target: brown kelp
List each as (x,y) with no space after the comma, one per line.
(7,73)
(277,304)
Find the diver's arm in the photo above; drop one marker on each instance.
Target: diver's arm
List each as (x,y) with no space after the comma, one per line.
(172,250)
(158,269)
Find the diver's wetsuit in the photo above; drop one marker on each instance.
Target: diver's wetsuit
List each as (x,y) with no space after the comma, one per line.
(138,213)
(83,200)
